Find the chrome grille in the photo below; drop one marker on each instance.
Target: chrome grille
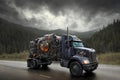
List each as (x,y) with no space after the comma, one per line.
(92,57)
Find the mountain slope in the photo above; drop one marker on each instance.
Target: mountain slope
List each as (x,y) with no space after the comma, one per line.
(15,38)
(107,39)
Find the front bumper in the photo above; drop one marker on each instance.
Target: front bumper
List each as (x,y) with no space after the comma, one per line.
(90,67)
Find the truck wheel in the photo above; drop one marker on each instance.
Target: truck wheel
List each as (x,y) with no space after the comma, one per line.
(33,64)
(76,69)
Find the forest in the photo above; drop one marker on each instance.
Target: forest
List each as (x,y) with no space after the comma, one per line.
(106,39)
(15,38)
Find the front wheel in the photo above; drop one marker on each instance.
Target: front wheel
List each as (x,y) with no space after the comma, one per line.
(76,68)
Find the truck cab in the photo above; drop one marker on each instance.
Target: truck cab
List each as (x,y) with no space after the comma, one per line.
(75,56)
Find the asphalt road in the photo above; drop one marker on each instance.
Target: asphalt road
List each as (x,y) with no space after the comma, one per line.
(17,70)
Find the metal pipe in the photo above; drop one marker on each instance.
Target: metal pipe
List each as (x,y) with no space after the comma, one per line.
(67,36)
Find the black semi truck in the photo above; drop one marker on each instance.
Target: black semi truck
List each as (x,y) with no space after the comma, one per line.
(68,48)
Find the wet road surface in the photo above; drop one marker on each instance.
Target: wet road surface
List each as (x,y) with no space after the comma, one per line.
(17,70)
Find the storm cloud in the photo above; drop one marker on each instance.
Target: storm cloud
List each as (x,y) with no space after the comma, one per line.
(79,15)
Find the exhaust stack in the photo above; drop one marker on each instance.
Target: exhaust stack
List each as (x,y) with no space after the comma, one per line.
(67,36)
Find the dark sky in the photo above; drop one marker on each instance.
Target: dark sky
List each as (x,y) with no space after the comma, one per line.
(78,15)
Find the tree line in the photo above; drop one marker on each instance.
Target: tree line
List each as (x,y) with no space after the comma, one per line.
(107,39)
(15,38)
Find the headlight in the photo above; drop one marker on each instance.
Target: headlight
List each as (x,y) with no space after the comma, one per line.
(85,61)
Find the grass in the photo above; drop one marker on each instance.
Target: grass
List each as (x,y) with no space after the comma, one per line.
(109,58)
(15,56)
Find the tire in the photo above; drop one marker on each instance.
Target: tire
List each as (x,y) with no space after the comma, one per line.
(76,69)
(33,64)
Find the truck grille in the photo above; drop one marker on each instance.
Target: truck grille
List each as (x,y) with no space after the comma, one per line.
(92,57)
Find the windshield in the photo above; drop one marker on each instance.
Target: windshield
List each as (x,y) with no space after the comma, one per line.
(78,44)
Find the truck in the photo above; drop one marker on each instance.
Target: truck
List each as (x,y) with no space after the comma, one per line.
(69,49)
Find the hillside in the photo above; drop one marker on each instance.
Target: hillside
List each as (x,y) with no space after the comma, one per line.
(107,39)
(15,38)
(82,35)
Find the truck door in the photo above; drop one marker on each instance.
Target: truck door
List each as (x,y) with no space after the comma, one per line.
(66,51)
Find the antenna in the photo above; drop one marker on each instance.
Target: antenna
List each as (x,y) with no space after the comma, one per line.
(68,36)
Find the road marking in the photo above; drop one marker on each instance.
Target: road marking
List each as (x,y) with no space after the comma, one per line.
(45,76)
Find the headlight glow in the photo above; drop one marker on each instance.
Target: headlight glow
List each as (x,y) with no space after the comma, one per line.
(86,61)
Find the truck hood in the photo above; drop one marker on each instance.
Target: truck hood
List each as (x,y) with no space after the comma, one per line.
(86,49)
